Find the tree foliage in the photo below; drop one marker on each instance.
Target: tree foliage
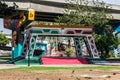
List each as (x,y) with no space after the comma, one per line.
(86,13)
(104,44)
(3,40)
(91,13)
(6,10)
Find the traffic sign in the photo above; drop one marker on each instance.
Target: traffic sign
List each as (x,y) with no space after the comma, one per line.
(31,14)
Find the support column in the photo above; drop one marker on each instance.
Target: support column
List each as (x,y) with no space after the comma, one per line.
(92,47)
(17,42)
(78,48)
(26,43)
(32,45)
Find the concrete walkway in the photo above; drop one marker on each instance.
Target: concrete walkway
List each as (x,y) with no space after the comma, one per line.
(9,66)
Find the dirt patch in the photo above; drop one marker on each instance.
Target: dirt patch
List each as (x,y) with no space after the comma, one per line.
(60,75)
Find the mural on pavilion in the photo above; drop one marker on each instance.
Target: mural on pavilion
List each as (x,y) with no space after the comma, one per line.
(11,23)
(56,42)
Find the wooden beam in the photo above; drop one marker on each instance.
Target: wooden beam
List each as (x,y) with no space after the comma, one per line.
(56,26)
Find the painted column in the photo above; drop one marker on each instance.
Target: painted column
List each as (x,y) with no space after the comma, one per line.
(17,42)
(92,47)
(26,43)
(78,48)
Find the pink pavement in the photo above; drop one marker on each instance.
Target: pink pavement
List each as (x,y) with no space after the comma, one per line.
(64,60)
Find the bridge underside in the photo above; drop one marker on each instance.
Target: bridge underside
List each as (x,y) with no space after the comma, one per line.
(50,17)
(48,10)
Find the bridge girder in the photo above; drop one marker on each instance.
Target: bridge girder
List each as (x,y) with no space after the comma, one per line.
(48,10)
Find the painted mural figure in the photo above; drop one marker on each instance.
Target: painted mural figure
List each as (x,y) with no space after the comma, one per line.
(118,48)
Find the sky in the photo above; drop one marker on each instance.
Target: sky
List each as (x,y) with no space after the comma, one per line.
(6,31)
(112,1)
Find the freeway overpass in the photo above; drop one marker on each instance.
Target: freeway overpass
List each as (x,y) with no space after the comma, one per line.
(47,10)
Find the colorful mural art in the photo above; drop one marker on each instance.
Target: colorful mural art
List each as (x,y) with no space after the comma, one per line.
(40,41)
(53,41)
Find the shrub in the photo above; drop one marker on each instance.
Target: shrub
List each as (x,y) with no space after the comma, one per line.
(69,52)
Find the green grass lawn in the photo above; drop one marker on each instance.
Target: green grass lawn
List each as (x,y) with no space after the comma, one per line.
(56,69)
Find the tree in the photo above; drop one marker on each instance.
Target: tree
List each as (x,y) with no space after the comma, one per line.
(86,13)
(3,40)
(6,10)
(90,13)
(104,44)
